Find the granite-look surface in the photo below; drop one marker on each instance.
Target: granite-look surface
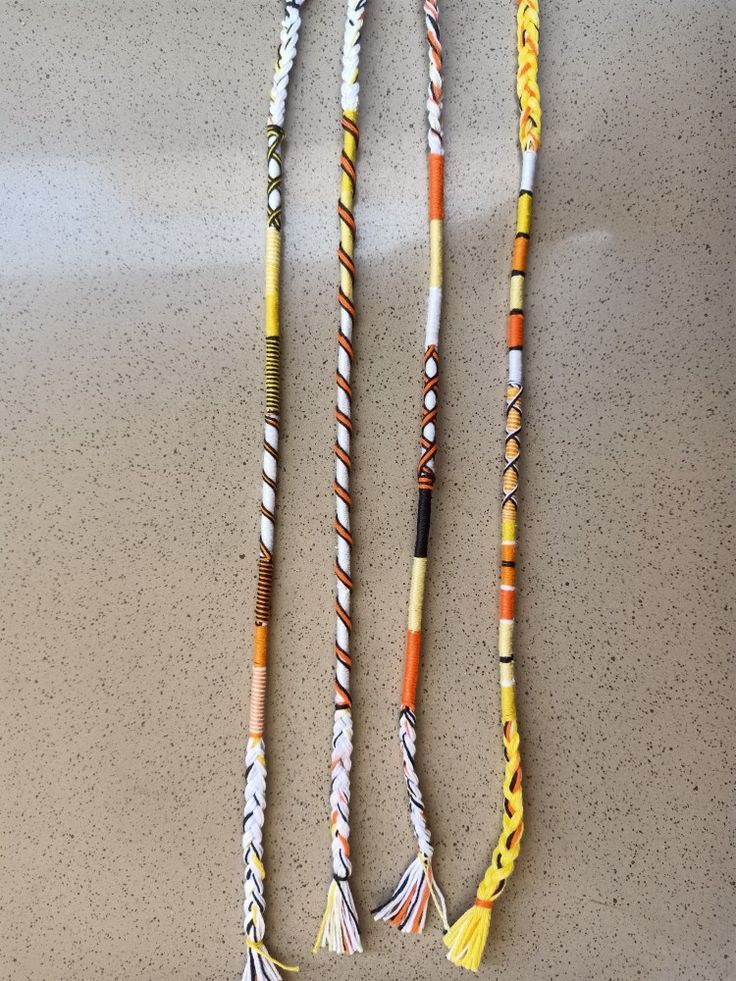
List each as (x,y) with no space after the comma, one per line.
(131,229)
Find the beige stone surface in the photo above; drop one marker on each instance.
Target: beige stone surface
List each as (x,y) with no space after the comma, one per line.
(131,213)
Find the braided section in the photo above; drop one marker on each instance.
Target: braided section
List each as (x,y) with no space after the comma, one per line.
(285,58)
(507,850)
(408,737)
(253,815)
(527,86)
(434,92)
(339,931)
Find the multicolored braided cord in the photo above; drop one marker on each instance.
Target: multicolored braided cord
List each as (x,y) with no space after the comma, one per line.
(467,937)
(259,965)
(407,907)
(338,930)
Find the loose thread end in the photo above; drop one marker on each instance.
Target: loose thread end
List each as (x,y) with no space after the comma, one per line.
(466,938)
(407,907)
(338,931)
(260,966)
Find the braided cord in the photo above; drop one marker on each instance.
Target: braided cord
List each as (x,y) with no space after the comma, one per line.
(339,930)
(260,966)
(407,907)
(467,937)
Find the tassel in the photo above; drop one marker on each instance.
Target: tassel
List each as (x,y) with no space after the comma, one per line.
(338,931)
(407,907)
(466,938)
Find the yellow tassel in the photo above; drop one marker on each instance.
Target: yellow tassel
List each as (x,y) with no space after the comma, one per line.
(466,938)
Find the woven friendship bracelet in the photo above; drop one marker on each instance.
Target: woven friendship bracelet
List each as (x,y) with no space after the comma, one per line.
(467,937)
(259,965)
(338,930)
(407,907)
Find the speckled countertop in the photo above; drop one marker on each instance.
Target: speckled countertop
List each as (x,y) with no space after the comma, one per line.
(131,183)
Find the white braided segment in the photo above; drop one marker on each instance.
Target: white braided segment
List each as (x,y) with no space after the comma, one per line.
(408,737)
(285,60)
(434,92)
(351,54)
(255,805)
(342,751)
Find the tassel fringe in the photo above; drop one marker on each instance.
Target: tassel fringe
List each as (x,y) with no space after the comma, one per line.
(466,938)
(338,931)
(407,907)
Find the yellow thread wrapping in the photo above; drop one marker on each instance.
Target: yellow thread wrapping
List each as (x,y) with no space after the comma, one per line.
(416,593)
(508,704)
(272,315)
(524,214)
(505,638)
(508,530)
(435,252)
(273,266)
(516,299)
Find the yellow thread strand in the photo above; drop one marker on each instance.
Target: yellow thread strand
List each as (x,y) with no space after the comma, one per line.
(259,948)
(327,914)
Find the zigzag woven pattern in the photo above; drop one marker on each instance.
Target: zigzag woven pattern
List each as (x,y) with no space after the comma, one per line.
(407,906)
(338,930)
(467,937)
(259,965)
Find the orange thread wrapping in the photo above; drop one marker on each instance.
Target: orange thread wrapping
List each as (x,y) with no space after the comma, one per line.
(506,604)
(411,668)
(521,250)
(260,646)
(257,702)
(436,186)
(516,330)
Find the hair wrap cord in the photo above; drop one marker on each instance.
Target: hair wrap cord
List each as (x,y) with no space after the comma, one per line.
(338,929)
(259,964)
(407,906)
(467,937)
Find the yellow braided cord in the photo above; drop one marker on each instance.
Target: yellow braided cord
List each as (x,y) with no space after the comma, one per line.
(467,937)
(527,87)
